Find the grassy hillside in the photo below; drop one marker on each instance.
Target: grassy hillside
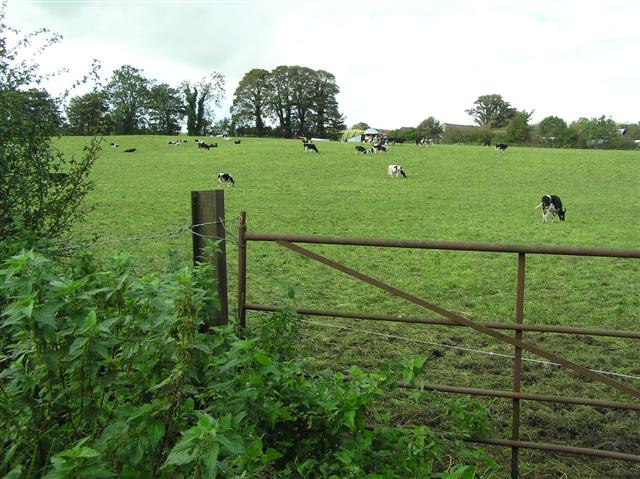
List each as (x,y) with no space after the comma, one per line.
(457,193)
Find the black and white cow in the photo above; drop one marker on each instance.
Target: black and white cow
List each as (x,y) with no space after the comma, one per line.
(310,147)
(226,178)
(553,204)
(114,145)
(486,142)
(501,146)
(396,170)
(360,149)
(381,148)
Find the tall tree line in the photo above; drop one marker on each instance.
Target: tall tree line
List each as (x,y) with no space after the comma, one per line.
(131,103)
(295,100)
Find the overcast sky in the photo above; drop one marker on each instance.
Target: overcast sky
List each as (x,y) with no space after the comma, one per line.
(396,62)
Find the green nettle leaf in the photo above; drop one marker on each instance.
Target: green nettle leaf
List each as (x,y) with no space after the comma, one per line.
(155,429)
(77,348)
(210,460)
(262,359)
(232,443)
(179,456)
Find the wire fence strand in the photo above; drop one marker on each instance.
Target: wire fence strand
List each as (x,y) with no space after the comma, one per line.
(156,236)
(470,350)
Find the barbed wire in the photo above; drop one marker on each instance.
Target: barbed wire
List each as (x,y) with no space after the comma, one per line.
(179,230)
(471,350)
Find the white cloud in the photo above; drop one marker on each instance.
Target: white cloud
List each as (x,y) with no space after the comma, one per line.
(395,62)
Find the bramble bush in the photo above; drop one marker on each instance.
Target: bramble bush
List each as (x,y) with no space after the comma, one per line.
(106,374)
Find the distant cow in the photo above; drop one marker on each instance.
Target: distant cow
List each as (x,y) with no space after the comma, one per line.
(396,170)
(237,142)
(129,150)
(486,142)
(381,148)
(226,178)
(310,147)
(360,149)
(114,145)
(202,145)
(553,204)
(501,146)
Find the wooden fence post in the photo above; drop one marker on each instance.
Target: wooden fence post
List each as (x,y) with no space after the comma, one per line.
(207,220)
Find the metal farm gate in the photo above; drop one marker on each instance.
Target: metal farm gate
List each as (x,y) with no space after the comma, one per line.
(453,319)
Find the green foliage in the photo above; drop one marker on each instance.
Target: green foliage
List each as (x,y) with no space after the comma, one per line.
(199,100)
(360,126)
(301,100)
(429,128)
(551,128)
(107,374)
(40,190)
(518,130)
(126,92)
(250,100)
(491,111)
(405,133)
(165,109)
(87,114)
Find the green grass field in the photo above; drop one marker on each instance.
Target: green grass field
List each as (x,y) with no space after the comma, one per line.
(455,193)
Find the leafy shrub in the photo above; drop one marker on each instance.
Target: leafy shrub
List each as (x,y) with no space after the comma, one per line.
(107,374)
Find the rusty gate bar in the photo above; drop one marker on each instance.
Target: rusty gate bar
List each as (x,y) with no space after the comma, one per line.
(528,396)
(242,270)
(517,367)
(537,328)
(446,245)
(483,329)
(556,448)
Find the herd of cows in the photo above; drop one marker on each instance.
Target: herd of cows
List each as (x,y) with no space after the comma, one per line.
(550,204)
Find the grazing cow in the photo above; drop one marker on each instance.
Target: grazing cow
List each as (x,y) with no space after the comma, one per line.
(381,148)
(553,204)
(114,145)
(129,150)
(486,142)
(369,151)
(360,149)
(501,146)
(237,142)
(310,147)
(396,170)
(202,145)
(226,178)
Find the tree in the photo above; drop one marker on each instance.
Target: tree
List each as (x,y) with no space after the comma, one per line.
(127,92)
(595,131)
(326,119)
(405,133)
(223,126)
(552,127)
(518,129)
(199,100)
(87,114)
(429,128)
(40,190)
(280,99)
(491,111)
(165,109)
(250,100)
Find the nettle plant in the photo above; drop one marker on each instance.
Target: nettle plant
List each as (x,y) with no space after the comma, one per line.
(106,374)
